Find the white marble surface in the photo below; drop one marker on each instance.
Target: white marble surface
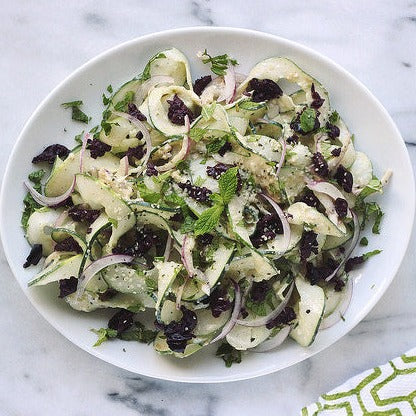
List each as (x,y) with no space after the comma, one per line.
(41,42)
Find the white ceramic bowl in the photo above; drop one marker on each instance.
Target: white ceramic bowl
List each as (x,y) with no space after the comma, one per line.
(375,134)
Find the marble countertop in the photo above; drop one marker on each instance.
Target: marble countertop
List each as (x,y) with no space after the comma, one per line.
(41,43)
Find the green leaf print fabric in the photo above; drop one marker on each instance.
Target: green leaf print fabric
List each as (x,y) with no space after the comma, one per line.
(386,390)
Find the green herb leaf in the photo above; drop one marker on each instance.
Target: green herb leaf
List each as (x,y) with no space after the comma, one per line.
(151,285)
(251,105)
(72,104)
(208,110)
(104,334)
(77,113)
(373,210)
(141,334)
(197,134)
(228,184)
(364,241)
(147,194)
(307,120)
(369,254)
(216,145)
(146,72)
(187,225)
(333,117)
(113,222)
(78,137)
(219,63)
(110,89)
(229,354)
(373,186)
(208,220)
(122,105)
(106,100)
(37,176)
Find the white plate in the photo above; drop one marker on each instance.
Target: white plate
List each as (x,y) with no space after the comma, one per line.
(375,134)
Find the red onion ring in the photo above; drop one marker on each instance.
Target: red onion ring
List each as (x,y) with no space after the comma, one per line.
(234,315)
(186,146)
(228,92)
(49,201)
(341,308)
(272,315)
(275,342)
(143,129)
(98,265)
(325,188)
(283,219)
(82,151)
(351,247)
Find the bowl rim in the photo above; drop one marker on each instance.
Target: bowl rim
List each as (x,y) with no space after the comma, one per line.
(224,30)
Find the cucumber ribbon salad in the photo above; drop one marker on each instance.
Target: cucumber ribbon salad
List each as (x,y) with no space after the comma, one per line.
(229,207)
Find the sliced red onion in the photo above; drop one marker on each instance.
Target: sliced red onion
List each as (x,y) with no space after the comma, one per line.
(186,257)
(275,342)
(283,219)
(143,129)
(228,92)
(341,308)
(144,88)
(82,151)
(351,247)
(272,315)
(98,265)
(183,152)
(234,315)
(47,201)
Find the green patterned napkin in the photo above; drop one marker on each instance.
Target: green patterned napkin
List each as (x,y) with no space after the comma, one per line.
(386,390)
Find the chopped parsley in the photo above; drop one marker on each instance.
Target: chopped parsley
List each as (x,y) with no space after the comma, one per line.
(77,113)
(307,120)
(30,205)
(219,63)
(229,354)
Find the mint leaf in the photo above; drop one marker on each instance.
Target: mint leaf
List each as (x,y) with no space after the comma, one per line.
(78,137)
(30,205)
(373,186)
(77,113)
(229,354)
(141,334)
(219,63)
(188,225)
(196,133)
(104,334)
(216,145)
(146,72)
(37,176)
(110,89)
(251,105)
(364,241)
(373,210)
(208,220)
(122,105)
(333,117)
(72,104)
(307,120)
(148,195)
(228,184)
(208,110)
(369,254)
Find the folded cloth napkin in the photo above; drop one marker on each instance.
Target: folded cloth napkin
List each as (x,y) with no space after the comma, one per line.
(386,390)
